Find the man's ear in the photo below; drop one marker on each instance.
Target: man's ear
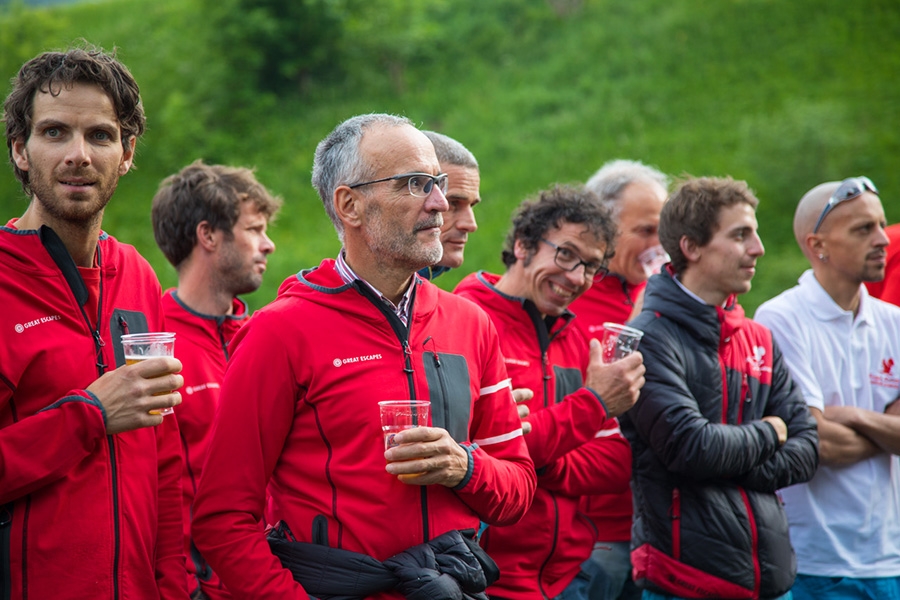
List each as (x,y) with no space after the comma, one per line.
(690,249)
(348,206)
(815,245)
(520,251)
(206,236)
(19,156)
(127,156)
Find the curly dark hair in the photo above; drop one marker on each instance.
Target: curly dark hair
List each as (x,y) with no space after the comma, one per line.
(552,208)
(693,212)
(51,72)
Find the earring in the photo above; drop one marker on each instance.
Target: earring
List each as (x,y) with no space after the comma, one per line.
(822,258)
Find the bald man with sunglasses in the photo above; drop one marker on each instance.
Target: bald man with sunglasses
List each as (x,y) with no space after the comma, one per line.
(842,347)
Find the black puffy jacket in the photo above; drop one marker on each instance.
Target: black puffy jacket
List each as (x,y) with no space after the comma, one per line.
(707,521)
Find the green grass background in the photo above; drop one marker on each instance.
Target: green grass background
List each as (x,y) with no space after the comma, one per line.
(783,94)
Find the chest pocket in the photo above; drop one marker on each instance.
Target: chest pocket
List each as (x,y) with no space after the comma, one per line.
(449,392)
(568,380)
(122,322)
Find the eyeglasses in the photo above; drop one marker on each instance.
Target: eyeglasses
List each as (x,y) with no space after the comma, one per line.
(567,260)
(850,188)
(420,184)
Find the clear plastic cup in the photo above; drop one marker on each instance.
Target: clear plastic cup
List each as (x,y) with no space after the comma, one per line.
(141,346)
(653,259)
(618,341)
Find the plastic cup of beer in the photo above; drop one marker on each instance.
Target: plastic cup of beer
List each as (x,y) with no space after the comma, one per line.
(653,259)
(398,415)
(618,341)
(141,346)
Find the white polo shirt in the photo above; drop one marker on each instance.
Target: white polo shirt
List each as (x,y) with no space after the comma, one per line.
(846,520)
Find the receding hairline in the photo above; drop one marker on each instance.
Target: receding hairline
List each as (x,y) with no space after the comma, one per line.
(809,208)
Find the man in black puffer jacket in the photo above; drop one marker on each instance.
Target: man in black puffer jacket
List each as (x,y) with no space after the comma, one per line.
(720,425)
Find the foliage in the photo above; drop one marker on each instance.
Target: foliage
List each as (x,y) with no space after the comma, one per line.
(782,94)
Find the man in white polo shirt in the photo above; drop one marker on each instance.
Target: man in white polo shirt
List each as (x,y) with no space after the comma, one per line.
(842,347)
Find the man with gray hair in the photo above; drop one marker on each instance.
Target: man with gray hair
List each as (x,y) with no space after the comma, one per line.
(298,441)
(463,180)
(634,193)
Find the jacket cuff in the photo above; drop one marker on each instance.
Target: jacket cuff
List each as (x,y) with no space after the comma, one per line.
(600,400)
(79,396)
(470,468)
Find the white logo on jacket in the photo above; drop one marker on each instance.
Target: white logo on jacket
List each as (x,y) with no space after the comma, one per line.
(355,359)
(20,327)
(756,360)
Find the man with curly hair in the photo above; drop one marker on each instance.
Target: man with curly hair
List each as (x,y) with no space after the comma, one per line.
(558,246)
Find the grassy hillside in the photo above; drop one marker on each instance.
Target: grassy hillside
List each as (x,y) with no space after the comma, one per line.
(783,94)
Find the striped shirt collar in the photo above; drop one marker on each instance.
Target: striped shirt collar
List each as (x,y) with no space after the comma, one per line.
(349,276)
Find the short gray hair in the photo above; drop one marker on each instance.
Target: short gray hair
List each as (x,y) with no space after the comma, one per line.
(613,177)
(338,160)
(451,152)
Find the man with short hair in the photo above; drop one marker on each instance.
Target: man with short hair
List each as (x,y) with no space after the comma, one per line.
(720,425)
(634,193)
(210,222)
(841,346)
(89,468)
(463,181)
(299,416)
(558,245)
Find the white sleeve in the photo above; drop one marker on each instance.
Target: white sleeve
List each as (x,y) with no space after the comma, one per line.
(794,342)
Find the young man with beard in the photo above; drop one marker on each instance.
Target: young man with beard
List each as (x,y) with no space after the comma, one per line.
(89,475)
(720,425)
(210,222)
(299,415)
(842,346)
(558,246)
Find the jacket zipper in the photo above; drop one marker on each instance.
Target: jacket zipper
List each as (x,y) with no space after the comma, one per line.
(552,546)
(220,329)
(5,535)
(675,515)
(754,542)
(441,379)
(402,332)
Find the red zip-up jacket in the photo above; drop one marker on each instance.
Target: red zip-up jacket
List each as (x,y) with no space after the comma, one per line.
(82,514)
(611,299)
(202,345)
(575,448)
(298,416)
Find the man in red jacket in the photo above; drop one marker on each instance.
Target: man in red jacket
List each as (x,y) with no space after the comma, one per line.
(634,193)
(210,222)
(89,479)
(298,415)
(559,245)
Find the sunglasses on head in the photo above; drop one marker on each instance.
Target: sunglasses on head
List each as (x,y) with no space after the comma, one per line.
(850,188)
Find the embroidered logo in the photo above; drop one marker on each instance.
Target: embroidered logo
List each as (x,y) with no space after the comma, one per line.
(193,389)
(517,361)
(355,359)
(756,359)
(20,327)
(885,376)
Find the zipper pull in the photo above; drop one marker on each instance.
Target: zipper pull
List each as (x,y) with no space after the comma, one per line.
(407,353)
(437,359)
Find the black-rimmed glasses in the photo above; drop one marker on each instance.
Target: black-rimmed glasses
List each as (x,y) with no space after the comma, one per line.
(850,188)
(420,184)
(568,260)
